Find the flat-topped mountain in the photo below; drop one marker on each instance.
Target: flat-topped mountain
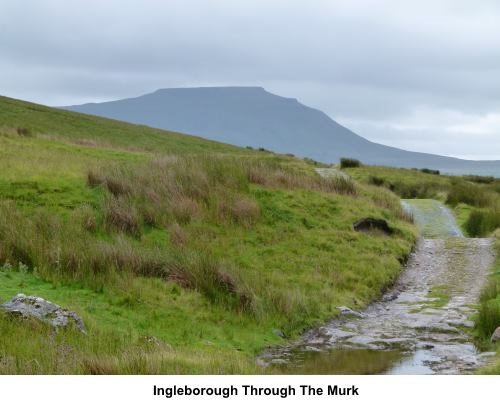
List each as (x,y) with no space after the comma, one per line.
(251,116)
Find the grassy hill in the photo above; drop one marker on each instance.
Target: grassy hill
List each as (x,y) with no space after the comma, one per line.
(182,255)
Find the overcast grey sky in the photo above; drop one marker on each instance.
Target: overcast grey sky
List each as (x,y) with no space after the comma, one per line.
(422,75)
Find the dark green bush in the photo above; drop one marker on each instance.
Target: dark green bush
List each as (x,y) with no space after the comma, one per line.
(430,171)
(348,162)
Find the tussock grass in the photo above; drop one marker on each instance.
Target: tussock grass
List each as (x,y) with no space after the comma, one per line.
(269,176)
(469,193)
(482,222)
(488,317)
(173,189)
(386,199)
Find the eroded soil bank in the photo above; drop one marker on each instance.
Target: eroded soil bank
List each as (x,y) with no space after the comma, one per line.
(420,326)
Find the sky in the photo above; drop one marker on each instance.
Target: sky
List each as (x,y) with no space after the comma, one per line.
(421,75)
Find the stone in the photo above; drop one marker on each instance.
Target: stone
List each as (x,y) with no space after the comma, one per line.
(46,311)
(496,335)
(279,333)
(261,363)
(155,342)
(349,312)
(486,355)
(390,296)
(370,224)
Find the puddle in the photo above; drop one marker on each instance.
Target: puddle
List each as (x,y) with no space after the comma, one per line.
(414,364)
(348,361)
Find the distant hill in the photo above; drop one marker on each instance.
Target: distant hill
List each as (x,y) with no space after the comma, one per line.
(251,116)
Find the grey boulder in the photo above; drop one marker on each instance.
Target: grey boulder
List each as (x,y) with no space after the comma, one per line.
(46,311)
(496,335)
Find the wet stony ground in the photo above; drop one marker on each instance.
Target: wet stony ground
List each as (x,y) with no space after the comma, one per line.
(420,326)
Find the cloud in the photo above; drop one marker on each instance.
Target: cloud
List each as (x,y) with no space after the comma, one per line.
(429,130)
(378,65)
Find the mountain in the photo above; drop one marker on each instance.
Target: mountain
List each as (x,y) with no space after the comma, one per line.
(251,116)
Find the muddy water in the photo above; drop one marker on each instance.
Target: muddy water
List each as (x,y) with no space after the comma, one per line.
(420,326)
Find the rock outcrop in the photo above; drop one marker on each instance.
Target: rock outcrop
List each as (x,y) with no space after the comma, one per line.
(496,335)
(46,311)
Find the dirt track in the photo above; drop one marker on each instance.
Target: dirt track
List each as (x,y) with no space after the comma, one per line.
(421,325)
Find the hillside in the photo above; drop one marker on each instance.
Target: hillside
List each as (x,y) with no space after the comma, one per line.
(182,255)
(254,117)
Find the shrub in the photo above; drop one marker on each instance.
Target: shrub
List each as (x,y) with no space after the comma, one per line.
(430,171)
(349,162)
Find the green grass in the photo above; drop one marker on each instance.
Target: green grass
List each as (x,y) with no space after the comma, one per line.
(440,296)
(210,252)
(118,319)
(462,213)
(404,182)
(103,133)
(488,318)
